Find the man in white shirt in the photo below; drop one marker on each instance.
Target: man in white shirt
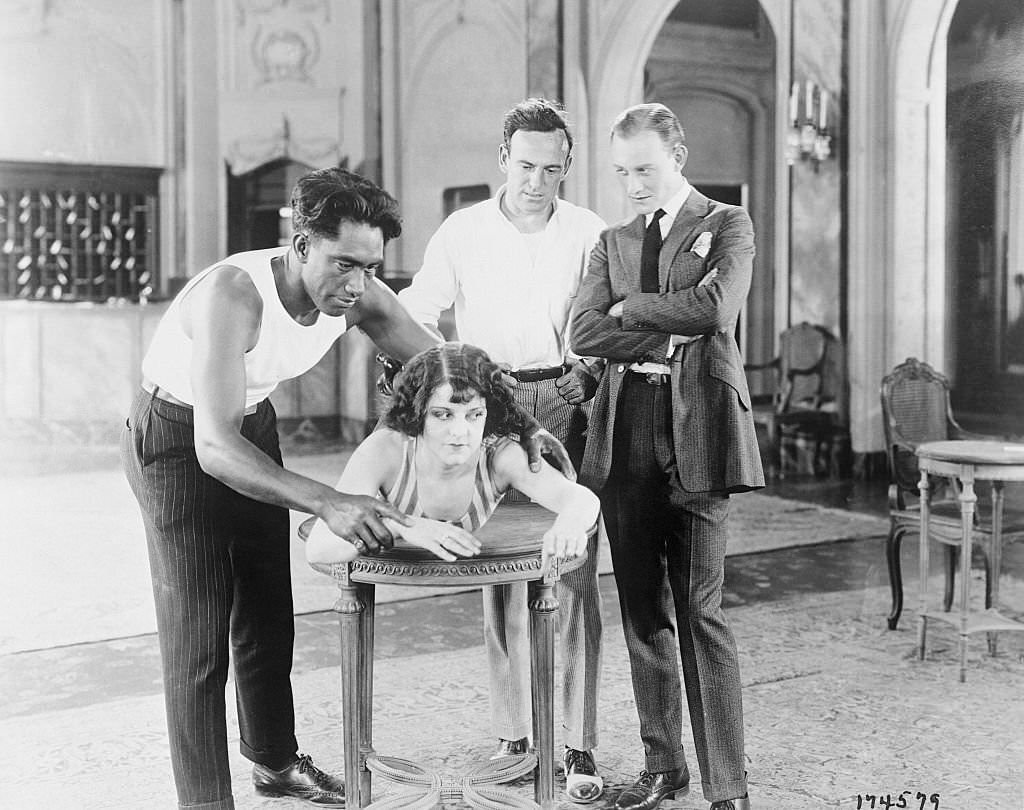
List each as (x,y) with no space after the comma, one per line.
(511,265)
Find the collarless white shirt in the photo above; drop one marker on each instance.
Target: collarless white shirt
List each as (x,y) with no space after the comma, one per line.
(512,292)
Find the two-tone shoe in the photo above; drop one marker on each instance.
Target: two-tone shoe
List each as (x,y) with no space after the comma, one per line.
(582,781)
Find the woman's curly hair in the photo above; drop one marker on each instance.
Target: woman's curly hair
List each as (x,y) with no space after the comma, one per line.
(469,371)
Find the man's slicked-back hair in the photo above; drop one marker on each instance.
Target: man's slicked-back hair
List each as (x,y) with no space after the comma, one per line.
(324,198)
(652,117)
(536,115)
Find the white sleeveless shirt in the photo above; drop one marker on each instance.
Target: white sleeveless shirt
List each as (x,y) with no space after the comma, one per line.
(283,350)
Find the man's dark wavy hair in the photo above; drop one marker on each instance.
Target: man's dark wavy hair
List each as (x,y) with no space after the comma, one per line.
(469,371)
(536,115)
(324,198)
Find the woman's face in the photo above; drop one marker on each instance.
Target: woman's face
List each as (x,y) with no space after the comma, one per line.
(453,431)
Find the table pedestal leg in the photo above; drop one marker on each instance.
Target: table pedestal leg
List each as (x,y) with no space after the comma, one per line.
(543,613)
(995,557)
(967,501)
(368,596)
(350,610)
(922,619)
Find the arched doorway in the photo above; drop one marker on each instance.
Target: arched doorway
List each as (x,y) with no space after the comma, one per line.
(985,198)
(258,214)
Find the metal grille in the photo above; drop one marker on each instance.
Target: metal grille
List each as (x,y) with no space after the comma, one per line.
(88,235)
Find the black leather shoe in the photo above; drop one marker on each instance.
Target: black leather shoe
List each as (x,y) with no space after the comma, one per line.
(301,780)
(650,788)
(511,748)
(732,804)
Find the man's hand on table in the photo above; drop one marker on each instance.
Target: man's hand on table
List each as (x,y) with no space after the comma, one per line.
(359,520)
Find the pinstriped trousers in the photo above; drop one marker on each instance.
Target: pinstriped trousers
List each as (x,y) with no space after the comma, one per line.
(506,615)
(221,581)
(668,552)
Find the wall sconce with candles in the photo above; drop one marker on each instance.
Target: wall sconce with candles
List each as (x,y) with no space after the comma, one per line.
(809,134)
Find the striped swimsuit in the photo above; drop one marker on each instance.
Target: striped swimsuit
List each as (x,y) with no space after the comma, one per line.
(404,494)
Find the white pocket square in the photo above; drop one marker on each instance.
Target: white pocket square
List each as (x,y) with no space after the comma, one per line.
(702,244)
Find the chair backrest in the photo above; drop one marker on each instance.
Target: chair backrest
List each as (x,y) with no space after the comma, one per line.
(811,370)
(915,409)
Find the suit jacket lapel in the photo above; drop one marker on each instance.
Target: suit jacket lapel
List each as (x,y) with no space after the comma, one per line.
(632,247)
(690,216)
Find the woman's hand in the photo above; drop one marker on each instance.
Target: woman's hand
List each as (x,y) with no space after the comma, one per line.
(447,541)
(564,541)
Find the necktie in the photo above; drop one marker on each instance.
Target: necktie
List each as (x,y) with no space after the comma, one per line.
(649,255)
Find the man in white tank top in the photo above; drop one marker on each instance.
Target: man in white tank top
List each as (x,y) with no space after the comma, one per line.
(201,453)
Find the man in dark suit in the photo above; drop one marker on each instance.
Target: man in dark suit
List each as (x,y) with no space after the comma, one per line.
(671,437)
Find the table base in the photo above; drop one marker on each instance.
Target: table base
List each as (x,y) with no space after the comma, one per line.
(477,787)
(967,462)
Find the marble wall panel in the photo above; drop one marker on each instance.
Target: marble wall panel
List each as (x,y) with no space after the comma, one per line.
(19,361)
(816,218)
(81,81)
(85,362)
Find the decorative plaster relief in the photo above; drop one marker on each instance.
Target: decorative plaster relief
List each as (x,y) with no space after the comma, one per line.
(272,42)
(285,54)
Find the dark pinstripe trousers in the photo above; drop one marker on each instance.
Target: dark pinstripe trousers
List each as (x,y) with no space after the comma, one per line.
(506,618)
(221,582)
(668,552)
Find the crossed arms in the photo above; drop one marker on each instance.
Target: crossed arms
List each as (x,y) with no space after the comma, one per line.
(643,322)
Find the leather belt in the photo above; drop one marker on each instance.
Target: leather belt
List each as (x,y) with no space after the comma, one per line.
(152,388)
(653,378)
(537,374)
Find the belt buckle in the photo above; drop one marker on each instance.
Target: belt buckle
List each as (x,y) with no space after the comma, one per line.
(654,377)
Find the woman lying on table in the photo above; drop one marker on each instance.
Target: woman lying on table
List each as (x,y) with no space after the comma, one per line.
(445,459)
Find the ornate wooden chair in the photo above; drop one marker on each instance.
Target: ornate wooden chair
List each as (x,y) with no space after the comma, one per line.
(806,409)
(915,409)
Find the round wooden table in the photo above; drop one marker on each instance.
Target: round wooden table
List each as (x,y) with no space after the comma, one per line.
(968,461)
(511,552)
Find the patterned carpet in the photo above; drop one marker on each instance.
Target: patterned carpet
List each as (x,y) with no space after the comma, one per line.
(835,707)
